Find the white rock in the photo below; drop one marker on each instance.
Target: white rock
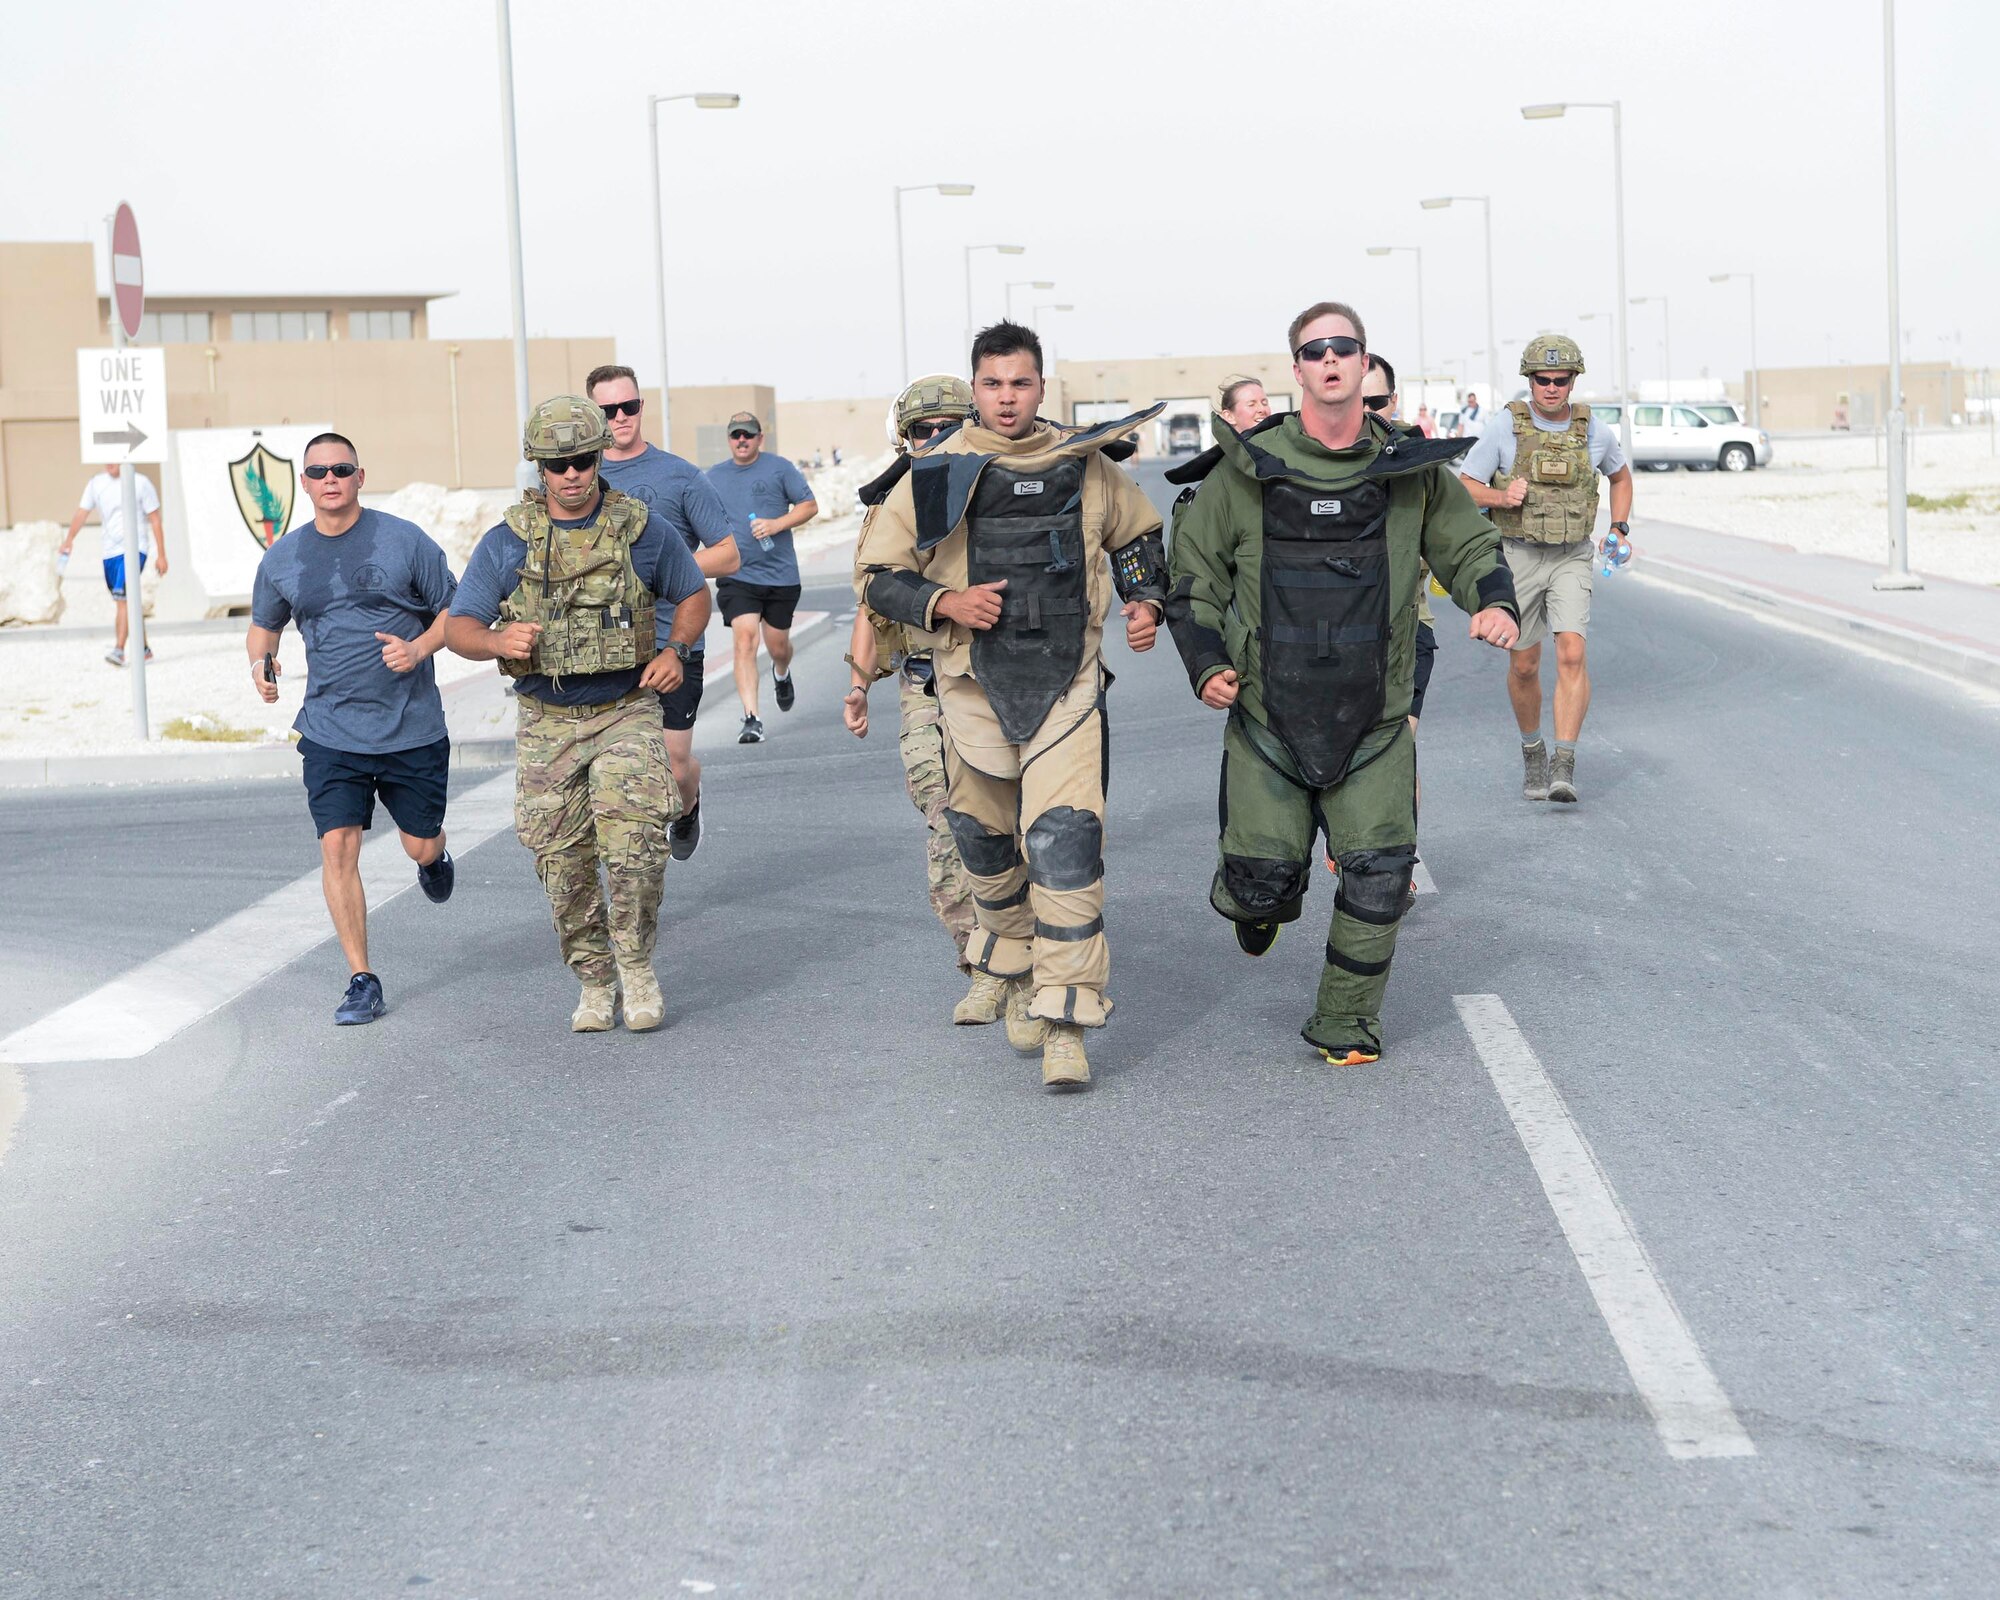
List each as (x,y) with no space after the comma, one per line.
(456,518)
(30,589)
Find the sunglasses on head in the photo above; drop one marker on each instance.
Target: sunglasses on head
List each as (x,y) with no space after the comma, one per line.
(622,408)
(921,432)
(340,469)
(1376,402)
(562,464)
(743,433)
(1561,380)
(1316,349)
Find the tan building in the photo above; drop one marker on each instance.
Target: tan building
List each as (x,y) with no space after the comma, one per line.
(1798,399)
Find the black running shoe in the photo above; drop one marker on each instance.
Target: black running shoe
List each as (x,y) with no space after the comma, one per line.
(753,731)
(786,693)
(684,832)
(1254,938)
(363,1001)
(437,878)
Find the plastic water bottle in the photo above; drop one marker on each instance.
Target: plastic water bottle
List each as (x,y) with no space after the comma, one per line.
(765,542)
(62,564)
(1617,551)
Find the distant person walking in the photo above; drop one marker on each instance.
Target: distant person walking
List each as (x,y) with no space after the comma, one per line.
(676,493)
(369,593)
(104,496)
(1244,404)
(768,498)
(1535,476)
(1471,419)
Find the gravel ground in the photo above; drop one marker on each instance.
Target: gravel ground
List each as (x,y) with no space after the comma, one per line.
(1829,494)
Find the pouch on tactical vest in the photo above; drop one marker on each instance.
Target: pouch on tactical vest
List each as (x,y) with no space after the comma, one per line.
(580,585)
(1561,507)
(1026,526)
(1325,627)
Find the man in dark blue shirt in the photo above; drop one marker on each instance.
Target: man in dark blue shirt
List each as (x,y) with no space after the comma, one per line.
(368,593)
(574,579)
(676,492)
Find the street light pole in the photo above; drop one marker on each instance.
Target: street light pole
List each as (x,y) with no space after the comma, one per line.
(1005,250)
(1543,113)
(1666,337)
(522,401)
(902,297)
(1756,400)
(1048,345)
(1423,365)
(1485,203)
(704,102)
(1899,575)
(1025,283)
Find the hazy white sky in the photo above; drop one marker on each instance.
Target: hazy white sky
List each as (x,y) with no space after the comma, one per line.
(1189,172)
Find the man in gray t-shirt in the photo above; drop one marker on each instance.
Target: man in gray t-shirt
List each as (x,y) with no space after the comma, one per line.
(368,593)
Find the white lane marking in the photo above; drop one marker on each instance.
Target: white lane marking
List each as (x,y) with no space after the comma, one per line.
(1690,1410)
(1422,878)
(147,1006)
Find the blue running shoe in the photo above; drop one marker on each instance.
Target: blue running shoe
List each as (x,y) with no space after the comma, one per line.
(437,878)
(364,1000)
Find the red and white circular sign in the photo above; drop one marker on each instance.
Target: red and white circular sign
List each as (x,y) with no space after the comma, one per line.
(128,277)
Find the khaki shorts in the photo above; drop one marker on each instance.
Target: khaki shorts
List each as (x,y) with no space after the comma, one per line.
(1551,586)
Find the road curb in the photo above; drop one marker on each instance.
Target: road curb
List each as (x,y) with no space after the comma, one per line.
(235,764)
(1941,652)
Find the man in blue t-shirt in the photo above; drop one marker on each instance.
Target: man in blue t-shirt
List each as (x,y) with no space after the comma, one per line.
(592,786)
(768,497)
(368,592)
(676,492)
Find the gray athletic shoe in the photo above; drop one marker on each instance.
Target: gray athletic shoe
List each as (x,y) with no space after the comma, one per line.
(1535,781)
(1562,776)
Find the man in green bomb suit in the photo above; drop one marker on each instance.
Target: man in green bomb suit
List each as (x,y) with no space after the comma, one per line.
(1294,575)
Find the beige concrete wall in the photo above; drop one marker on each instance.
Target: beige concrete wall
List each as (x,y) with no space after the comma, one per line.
(1799,398)
(857,428)
(48,311)
(701,416)
(1135,385)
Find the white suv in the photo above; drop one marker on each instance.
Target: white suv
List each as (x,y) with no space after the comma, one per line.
(1696,436)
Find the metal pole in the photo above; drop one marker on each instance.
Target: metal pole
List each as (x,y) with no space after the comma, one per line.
(522,402)
(1624,309)
(1986,395)
(1899,575)
(128,511)
(659,264)
(1423,361)
(902,303)
(1756,388)
(457,457)
(968,297)
(1492,348)
(1667,344)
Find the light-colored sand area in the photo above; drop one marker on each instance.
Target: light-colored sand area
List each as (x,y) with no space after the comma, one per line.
(1830,496)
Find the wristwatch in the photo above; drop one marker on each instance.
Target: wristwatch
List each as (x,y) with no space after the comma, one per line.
(681,648)
(1622,527)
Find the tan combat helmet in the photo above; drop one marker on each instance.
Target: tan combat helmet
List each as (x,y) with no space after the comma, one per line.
(939,395)
(1551,352)
(567,425)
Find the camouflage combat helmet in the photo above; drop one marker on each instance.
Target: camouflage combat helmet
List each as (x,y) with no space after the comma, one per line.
(567,425)
(1551,352)
(939,395)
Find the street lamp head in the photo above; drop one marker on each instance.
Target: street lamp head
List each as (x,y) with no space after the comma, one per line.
(1543,113)
(954,188)
(1043,283)
(1062,308)
(1012,249)
(1438,204)
(1720,277)
(1380,249)
(717,102)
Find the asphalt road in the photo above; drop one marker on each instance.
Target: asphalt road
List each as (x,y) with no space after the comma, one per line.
(814,1294)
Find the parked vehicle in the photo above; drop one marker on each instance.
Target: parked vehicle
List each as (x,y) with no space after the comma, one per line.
(1183,435)
(1669,436)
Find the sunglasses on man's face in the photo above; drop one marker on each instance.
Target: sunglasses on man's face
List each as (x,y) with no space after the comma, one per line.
(1375,402)
(1318,349)
(340,469)
(740,433)
(565,464)
(623,408)
(1557,380)
(924,432)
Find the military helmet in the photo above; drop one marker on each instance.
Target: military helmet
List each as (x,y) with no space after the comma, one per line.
(567,425)
(939,395)
(1551,352)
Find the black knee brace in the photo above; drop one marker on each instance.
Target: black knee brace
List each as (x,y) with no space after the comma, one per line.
(1065,849)
(1374,883)
(986,855)
(1270,888)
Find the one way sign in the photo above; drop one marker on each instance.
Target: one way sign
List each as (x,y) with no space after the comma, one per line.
(122,404)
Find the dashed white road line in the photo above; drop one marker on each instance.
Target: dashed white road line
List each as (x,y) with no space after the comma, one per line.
(1421,877)
(142,1009)
(1690,1409)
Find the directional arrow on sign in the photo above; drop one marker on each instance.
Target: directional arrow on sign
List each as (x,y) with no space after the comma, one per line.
(129,436)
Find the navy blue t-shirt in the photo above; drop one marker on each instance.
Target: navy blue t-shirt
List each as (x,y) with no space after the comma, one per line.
(383,575)
(676,492)
(769,487)
(494,572)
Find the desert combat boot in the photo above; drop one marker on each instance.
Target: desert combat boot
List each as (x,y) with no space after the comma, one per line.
(1064,1065)
(983,1002)
(1025,1033)
(645,1006)
(597,1011)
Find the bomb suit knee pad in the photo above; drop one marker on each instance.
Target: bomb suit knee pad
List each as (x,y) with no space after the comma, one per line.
(1375,883)
(1260,889)
(1065,848)
(986,855)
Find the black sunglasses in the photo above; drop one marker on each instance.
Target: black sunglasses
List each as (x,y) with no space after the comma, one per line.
(1316,349)
(340,469)
(1562,380)
(622,408)
(562,464)
(920,432)
(1376,402)
(742,433)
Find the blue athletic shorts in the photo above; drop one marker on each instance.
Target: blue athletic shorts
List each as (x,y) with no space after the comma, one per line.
(341,786)
(114,574)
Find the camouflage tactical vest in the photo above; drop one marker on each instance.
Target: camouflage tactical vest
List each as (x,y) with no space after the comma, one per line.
(580,585)
(1561,507)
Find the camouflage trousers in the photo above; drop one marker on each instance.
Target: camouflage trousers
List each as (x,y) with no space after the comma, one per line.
(591,790)
(922,743)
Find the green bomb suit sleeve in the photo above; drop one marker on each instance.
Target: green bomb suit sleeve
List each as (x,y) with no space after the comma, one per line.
(1201,568)
(1463,548)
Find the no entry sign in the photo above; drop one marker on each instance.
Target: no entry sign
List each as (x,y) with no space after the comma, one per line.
(128,275)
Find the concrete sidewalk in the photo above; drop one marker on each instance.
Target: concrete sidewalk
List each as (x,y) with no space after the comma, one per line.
(1948,626)
(479,712)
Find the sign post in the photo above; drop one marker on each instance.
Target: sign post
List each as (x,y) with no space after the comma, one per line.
(111,417)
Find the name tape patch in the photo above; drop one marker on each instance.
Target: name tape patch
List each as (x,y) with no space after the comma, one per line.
(1029,486)
(1326,508)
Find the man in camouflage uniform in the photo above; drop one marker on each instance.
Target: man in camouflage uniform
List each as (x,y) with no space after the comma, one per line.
(926,410)
(591,606)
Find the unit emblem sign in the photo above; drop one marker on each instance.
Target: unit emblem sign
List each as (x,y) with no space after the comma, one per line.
(265,486)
